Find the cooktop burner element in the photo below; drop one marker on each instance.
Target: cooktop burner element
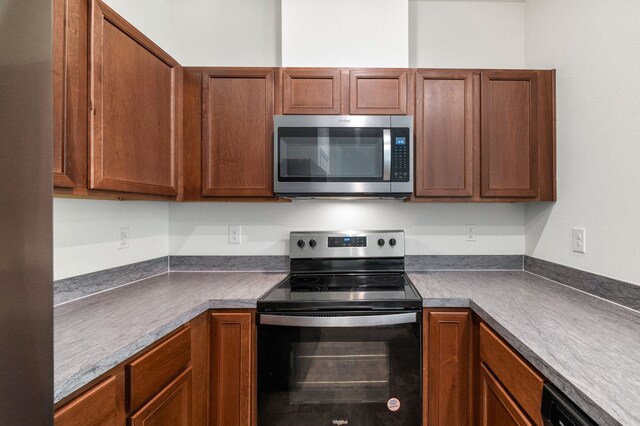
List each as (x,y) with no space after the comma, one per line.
(344,270)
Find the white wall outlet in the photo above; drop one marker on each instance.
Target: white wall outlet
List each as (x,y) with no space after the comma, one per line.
(234,234)
(123,238)
(580,240)
(470,233)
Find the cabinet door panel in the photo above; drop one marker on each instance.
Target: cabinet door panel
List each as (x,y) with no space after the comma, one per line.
(170,407)
(238,133)
(448,367)
(444,133)
(231,369)
(311,91)
(101,405)
(509,134)
(378,91)
(135,129)
(70,116)
(497,408)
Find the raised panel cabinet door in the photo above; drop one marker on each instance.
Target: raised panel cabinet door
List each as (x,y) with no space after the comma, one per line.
(70,115)
(311,91)
(444,133)
(497,408)
(448,368)
(170,407)
(509,141)
(237,133)
(378,91)
(136,118)
(102,405)
(231,369)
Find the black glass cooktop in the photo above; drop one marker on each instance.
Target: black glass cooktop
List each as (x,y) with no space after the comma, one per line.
(332,291)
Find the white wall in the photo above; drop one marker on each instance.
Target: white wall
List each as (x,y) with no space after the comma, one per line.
(202,229)
(85,234)
(466,34)
(338,33)
(594,46)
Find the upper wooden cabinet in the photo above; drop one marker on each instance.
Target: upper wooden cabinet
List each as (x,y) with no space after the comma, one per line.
(444,133)
(379,91)
(510,134)
(135,125)
(237,132)
(70,110)
(311,90)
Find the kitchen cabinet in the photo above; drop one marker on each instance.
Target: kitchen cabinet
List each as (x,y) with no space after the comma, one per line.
(136,109)
(70,110)
(101,405)
(311,90)
(447,368)
(380,91)
(521,382)
(446,102)
(497,408)
(237,132)
(171,406)
(233,371)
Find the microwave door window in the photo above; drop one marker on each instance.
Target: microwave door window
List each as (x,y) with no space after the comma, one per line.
(331,154)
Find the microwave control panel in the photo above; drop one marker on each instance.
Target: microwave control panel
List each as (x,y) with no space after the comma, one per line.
(400,161)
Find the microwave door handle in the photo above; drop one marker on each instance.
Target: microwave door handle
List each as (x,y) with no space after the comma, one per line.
(339,321)
(386,140)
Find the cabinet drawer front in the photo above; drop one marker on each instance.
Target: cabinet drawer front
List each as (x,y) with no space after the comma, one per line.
(521,381)
(97,406)
(497,407)
(150,372)
(172,406)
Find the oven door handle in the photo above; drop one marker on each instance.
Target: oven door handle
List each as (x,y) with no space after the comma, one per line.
(339,321)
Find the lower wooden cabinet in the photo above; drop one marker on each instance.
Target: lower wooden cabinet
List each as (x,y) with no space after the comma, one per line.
(170,407)
(497,407)
(232,369)
(101,405)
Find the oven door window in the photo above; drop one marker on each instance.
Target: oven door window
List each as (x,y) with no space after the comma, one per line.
(328,154)
(315,375)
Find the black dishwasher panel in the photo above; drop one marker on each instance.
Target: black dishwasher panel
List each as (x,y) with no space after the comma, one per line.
(558,410)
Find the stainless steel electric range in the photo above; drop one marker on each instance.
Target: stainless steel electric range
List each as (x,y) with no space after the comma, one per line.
(339,340)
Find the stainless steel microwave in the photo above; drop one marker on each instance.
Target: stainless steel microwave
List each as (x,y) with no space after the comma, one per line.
(343,156)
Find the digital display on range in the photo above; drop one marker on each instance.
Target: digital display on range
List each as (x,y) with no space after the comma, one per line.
(347,242)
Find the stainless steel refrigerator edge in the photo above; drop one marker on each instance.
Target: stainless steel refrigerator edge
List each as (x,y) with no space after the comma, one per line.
(26,255)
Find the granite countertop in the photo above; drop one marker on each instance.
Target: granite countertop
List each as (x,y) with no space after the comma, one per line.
(96,333)
(586,346)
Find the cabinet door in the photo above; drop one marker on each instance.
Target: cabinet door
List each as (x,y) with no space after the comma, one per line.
(171,406)
(70,23)
(378,91)
(237,133)
(497,408)
(232,368)
(445,105)
(102,405)
(136,117)
(509,145)
(447,368)
(311,91)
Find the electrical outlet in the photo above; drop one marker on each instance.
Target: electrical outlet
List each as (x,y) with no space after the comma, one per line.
(123,238)
(580,240)
(234,234)
(470,233)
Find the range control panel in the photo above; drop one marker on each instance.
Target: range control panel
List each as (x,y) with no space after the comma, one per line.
(346,244)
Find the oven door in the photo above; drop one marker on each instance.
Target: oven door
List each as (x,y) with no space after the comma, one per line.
(349,369)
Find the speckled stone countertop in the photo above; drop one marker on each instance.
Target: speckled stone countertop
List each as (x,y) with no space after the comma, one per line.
(94,334)
(586,346)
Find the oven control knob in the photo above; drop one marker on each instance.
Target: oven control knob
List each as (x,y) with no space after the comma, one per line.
(312,243)
(380,242)
(392,242)
(300,243)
